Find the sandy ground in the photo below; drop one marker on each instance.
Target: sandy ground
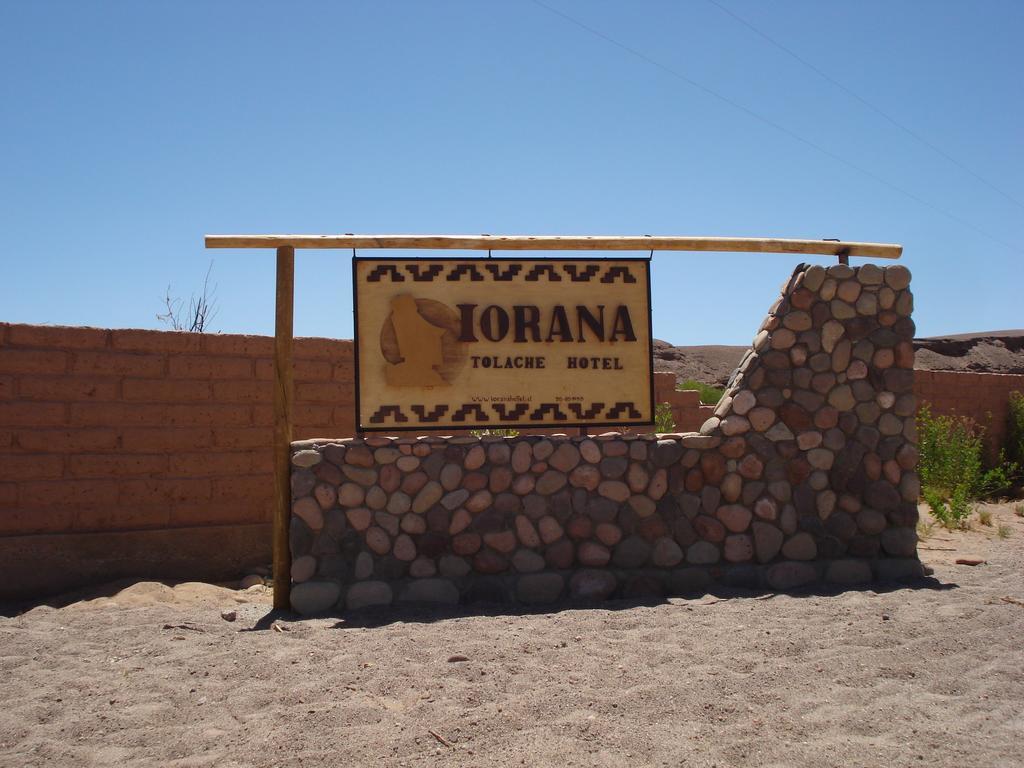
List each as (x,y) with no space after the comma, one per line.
(152,675)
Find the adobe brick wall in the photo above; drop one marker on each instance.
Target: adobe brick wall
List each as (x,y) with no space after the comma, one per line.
(687,412)
(983,397)
(104,430)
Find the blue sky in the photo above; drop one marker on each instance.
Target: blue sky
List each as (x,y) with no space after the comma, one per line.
(129,130)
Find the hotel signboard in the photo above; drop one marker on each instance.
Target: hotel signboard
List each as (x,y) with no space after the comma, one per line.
(502,343)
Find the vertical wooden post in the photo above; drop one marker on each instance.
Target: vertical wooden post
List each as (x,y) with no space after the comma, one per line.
(283,397)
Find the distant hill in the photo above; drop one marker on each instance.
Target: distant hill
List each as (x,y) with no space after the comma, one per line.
(988,352)
(983,352)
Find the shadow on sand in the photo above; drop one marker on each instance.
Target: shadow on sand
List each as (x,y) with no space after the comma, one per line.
(427,614)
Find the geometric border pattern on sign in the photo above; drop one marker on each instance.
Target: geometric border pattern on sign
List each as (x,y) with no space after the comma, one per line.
(501,271)
(520,413)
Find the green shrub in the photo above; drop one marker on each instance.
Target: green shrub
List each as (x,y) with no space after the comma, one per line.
(956,513)
(709,395)
(951,469)
(663,420)
(999,480)
(1015,430)
(950,451)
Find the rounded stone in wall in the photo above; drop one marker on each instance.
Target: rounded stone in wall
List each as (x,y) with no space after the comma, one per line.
(364,566)
(743,401)
(631,552)
(450,477)
(461,520)
(303,568)
(560,554)
(590,451)
(404,548)
(550,529)
(542,449)
(310,512)
(408,463)
(387,521)
(782,339)
(592,584)
(800,546)
(453,567)
(666,452)
(608,534)
(306,459)
(488,561)
(550,482)
(475,458)
(593,555)
(325,495)
(848,572)
(614,447)
(899,542)
(708,528)
(813,277)
(734,517)
(767,508)
(399,503)
(761,418)
(522,457)
(378,540)
(666,553)
(499,453)
(302,482)
(702,553)
(897,277)
(797,321)
(335,454)
(368,593)
(767,541)
(523,484)
(785,576)
(539,588)
(565,457)
(614,490)
(359,518)
(848,291)
(422,568)
(739,548)
(870,274)
(430,591)
(376,498)
(454,499)
(642,505)
(314,597)
(527,561)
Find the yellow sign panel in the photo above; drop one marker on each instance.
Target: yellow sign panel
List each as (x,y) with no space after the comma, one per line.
(460,343)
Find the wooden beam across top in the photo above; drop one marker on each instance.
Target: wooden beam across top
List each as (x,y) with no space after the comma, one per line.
(561,243)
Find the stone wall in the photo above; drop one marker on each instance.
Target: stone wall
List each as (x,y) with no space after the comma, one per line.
(806,472)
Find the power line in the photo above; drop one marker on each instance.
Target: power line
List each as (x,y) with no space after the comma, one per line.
(877,110)
(777,126)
